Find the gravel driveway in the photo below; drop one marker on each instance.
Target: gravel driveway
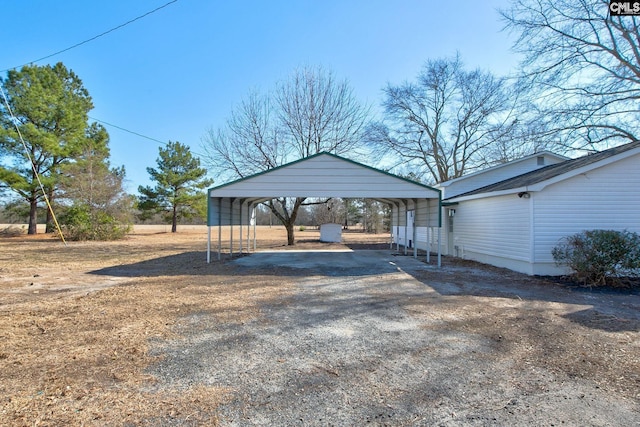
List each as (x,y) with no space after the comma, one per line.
(396,342)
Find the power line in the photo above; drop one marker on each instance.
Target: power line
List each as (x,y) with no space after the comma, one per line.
(127,130)
(165,143)
(94,37)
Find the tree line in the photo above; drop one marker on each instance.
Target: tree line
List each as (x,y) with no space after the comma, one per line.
(576,89)
(51,152)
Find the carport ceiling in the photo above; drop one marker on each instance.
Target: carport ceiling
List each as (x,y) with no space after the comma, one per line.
(320,175)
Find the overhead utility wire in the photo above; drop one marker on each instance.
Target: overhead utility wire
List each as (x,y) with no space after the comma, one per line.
(127,130)
(14,119)
(165,143)
(95,37)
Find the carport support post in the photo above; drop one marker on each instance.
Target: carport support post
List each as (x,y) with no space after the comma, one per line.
(390,227)
(249,206)
(439,247)
(428,244)
(241,202)
(219,228)
(415,229)
(405,214)
(208,244)
(398,228)
(231,201)
(253,214)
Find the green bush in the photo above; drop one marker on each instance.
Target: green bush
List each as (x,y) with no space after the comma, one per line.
(302,228)
(600,256)
(79,223)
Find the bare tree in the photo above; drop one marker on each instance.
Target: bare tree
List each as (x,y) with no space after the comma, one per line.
(583,68)
(307,114)
(443,122)
(319,114)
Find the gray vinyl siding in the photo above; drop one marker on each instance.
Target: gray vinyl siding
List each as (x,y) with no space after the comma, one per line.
(604,198)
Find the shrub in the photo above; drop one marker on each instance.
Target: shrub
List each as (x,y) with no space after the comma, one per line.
(11,231)
(302,228)
(596,256)
(80,223)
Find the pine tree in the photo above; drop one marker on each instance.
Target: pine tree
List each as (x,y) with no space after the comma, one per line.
(179,178)
(51,107)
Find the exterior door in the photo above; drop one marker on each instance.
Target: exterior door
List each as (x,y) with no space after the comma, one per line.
(410,218)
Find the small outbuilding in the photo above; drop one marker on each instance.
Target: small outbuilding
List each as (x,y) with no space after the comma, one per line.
(331,233)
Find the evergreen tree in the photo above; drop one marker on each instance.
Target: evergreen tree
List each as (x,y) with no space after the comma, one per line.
(178,177)
(99,207)
(51,108)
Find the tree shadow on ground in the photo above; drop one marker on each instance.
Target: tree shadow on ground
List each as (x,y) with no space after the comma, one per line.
(609,309)
(305,264)
(604,310)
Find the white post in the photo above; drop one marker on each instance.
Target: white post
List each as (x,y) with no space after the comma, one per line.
(415,232)
(231,227)
(391,228)
(208,244)
(240,227)
(439,247)
(219,242)
(398,230)
(428,244)
(255,219)
(249,216)
(406,223)
(219,228)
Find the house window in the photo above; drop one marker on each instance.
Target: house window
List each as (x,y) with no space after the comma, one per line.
(540,160)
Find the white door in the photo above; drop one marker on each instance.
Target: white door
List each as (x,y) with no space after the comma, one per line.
(410,219)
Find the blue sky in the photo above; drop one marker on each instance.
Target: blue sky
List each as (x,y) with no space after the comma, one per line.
(180,71)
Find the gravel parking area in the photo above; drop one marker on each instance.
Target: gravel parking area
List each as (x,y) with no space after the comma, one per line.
(367,337)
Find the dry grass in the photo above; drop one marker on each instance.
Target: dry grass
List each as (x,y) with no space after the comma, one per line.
(76,323)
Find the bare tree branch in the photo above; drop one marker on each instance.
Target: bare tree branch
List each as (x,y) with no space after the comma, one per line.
(307,114)
(583,69)
(443,123)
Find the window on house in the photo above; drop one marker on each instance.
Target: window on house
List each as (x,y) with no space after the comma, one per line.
(540,160)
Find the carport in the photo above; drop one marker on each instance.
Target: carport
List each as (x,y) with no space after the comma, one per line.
(324,175)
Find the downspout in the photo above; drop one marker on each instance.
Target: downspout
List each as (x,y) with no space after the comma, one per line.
(532,235)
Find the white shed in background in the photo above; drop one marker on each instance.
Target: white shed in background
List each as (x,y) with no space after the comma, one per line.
(331,233)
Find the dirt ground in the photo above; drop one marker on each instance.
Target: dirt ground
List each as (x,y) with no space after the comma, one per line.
(112,334)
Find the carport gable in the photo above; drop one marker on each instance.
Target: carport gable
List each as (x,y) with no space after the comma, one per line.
(325,175)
